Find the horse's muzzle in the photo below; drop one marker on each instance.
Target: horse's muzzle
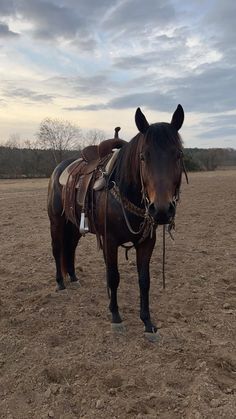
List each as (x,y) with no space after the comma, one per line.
(163,214)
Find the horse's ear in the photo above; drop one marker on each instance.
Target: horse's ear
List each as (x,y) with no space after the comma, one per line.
(178,118)
(141,122)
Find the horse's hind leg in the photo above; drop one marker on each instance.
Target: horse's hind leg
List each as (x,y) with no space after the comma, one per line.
(71,238)
(113,279)
(57,232)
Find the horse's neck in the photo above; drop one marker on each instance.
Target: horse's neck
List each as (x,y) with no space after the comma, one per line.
(128,180)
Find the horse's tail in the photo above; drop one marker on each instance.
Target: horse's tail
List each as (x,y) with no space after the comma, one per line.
(63,257)
(57,222)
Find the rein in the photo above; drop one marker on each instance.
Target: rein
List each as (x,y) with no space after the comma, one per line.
(140,212)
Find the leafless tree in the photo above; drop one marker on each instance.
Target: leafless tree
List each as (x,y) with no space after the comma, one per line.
(93,137)
(13,141)
(58,136)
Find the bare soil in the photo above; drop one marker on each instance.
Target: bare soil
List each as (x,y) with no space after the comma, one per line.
(59,357)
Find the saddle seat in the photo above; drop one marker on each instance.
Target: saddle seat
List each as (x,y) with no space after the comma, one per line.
(93,153)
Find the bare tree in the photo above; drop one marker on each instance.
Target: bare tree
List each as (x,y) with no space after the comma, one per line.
(13,141)
(59,136)
(93,137)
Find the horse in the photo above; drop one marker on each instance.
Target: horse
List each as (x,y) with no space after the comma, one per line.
(141,193)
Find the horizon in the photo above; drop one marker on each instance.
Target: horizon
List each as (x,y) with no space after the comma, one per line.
(93,64)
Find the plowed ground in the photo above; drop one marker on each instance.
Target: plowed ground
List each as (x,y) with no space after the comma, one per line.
(59,357)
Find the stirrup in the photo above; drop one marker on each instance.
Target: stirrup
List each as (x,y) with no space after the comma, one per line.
(83,228)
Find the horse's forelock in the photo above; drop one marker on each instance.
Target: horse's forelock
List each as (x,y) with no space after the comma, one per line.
(163,135)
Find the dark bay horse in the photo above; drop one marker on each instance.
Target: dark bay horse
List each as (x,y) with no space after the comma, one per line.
(141,193)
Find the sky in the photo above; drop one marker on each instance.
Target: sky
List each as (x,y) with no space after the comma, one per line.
(93,62)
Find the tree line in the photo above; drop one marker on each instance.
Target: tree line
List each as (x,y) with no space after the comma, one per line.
(198,159)
(26,162)
(57,140)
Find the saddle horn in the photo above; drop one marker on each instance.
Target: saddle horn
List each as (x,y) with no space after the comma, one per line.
(117,129)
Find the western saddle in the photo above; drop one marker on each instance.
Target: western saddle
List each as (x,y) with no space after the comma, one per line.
(85,174)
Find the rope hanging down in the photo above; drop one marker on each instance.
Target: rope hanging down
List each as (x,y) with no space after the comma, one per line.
(146,227)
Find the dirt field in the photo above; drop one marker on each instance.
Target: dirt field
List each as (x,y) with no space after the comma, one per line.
(58,355)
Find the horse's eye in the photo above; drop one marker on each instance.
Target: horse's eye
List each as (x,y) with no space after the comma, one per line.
(179,154)
(141,157)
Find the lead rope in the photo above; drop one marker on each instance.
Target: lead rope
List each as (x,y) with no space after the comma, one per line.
(163,257)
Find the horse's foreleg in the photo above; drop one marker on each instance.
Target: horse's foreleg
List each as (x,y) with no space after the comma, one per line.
(113,279)
(143,254)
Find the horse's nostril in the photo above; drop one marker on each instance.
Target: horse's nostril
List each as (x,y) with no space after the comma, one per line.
(152,209)
(172,209)
(164,214)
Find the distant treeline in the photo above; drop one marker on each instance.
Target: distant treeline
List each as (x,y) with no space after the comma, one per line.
(25,162)
(198,159)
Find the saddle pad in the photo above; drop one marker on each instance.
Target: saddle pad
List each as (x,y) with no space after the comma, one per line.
(111,161)
(101,182)
(66,172)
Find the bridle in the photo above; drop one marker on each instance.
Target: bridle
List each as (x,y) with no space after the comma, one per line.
(143,212)
(176,197)
(140,211)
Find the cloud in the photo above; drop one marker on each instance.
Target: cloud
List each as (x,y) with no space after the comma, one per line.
(136,16)
(2,102)
(101,55)
(219,127)
(28,95)
(7,7)
(222,16)
(221,120)
(81,86)
(51,20)
(220,132)
(5,32)
(210,91)
(154,100)
(92,107)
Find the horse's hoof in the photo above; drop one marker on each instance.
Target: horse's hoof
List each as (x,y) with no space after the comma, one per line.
(60,287)
(118,328)
(152,337)
(76,284)
(74,279)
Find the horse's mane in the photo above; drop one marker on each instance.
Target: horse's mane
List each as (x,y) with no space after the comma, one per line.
(127,161)
(160,135)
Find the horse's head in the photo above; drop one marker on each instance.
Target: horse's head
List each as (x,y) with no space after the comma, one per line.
(161,164)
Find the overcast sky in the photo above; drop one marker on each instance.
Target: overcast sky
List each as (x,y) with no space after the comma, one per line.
(94,62)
